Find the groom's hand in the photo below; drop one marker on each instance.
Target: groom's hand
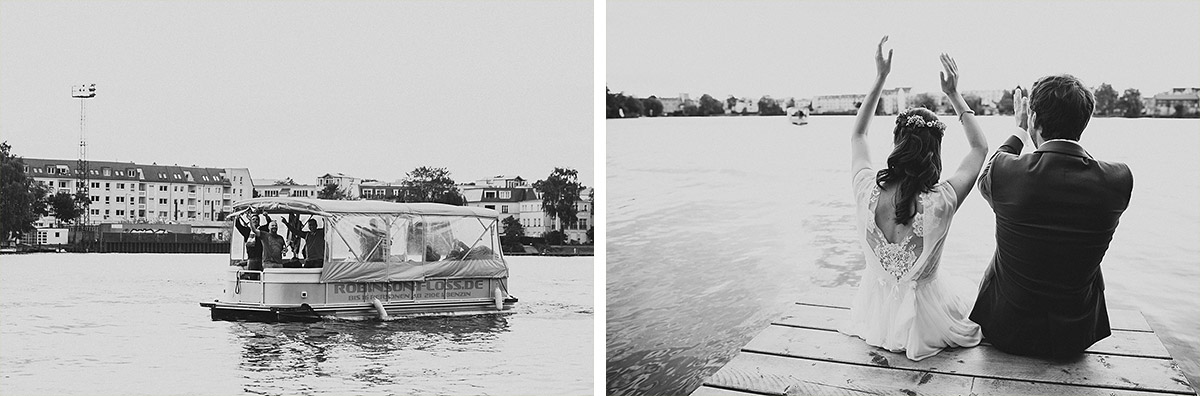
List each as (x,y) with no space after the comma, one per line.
(1021,108)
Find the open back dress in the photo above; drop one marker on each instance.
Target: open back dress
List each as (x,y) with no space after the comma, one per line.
(901,304)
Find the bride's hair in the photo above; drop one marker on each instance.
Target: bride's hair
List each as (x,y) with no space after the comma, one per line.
(915,162)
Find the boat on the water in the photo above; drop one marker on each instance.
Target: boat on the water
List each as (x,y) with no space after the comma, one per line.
(376,260)
(798,116)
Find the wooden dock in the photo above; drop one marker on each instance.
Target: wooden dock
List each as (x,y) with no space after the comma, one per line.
(801,353)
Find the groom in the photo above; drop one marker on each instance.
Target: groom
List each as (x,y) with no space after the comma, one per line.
(1056,211)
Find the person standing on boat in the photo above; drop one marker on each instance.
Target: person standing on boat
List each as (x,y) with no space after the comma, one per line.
(1056,211)
(272,246)
(314,242)
(254,245)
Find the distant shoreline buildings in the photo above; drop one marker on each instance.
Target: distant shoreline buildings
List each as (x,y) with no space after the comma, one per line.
(201,198)
(1178,102)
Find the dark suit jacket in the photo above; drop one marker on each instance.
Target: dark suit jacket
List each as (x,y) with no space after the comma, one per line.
(1056,211)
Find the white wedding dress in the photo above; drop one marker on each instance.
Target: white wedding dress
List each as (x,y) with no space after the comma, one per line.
(901,304)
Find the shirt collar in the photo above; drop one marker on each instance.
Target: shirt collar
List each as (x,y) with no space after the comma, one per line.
(1064,146)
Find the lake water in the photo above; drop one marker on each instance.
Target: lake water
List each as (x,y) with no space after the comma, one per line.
(130,324)
(715,224)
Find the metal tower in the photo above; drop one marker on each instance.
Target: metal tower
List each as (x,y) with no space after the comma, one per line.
(83,178)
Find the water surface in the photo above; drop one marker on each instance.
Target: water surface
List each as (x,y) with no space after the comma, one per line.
(130,324)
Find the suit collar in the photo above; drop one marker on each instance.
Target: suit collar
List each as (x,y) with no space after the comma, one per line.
(1062,146)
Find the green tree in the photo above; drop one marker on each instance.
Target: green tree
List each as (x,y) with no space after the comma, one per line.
(653,106)
(632,107)
(1130,103)
(66,207)
(710,106)
(427,184)
(1005,107)
(22,200)
(612,103)
(559,193)
(1106,100)
(555,237)
(768,107)
(926,101)
(730,102)
(330,191)
(513,227)
(285,182)
(690,109)
(975,103)
(591,232)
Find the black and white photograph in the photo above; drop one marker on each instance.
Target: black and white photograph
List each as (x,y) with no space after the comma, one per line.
(298,198)
(902,198)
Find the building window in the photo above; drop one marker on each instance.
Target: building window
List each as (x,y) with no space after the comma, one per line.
(503,208)
(95,198)
(505,195)
(120,186)
(492,207)
(162,201)
(96,212)
(162,188)
(95,184)
(489,194)
(120,199)
(107,186)
(120,212)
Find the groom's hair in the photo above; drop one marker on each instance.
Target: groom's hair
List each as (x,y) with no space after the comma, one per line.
(1063,106)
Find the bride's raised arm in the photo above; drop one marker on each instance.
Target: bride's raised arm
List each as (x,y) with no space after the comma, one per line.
(860,157)
(964,178)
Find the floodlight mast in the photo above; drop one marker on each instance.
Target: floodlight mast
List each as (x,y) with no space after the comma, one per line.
(82,178)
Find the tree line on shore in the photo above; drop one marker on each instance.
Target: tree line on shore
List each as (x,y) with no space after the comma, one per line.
(23,200)
(1108,104)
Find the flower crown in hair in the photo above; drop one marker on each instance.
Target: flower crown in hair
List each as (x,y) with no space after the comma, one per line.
(919,122)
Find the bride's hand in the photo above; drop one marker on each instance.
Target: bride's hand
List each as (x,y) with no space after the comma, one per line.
(883,66)
(949,77)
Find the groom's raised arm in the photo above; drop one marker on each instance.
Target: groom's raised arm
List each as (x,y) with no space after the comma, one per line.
(1013,145)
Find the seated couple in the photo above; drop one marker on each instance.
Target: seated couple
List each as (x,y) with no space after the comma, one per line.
(1056,210)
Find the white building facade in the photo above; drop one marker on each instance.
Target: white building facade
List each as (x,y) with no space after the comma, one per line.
(129,192)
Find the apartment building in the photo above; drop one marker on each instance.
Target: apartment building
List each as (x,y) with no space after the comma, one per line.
(268,188)
(525,204)
(130,192)
(349,184)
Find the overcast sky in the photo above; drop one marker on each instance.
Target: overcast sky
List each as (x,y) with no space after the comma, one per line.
(809,48)
(300,89)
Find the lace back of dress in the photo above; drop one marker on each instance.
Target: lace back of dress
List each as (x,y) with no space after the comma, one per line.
(898,258)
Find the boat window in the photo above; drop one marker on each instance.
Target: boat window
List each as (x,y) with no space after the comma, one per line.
(461,238)
(367,238)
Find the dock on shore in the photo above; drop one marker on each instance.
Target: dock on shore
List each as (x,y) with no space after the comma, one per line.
(801,353)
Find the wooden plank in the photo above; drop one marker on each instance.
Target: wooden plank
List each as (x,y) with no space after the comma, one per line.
(1118,319)
(711,391)
(1121,342)
(777,375)
(1121,372)
(999,387)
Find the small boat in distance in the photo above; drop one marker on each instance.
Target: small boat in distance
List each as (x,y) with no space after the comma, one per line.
(380,260)
(797,116)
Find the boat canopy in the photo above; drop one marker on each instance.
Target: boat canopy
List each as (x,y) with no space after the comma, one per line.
(327,207)
(377,241)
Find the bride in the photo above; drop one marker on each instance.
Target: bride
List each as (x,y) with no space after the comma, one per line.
(903,216)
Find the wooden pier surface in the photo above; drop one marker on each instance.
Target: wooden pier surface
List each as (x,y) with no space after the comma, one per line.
(801,353)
